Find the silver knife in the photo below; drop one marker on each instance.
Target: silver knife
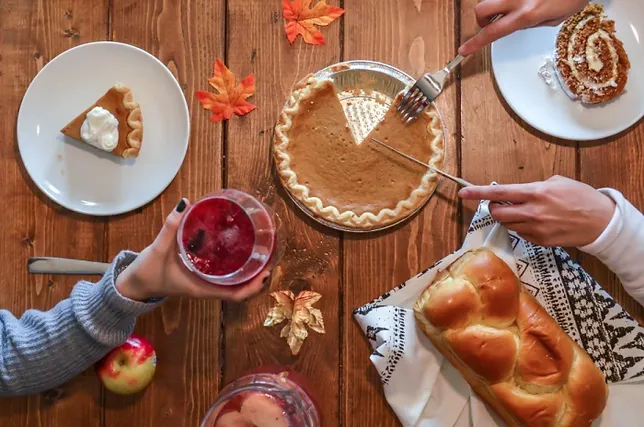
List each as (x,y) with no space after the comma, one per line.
(49,265)
(459,181)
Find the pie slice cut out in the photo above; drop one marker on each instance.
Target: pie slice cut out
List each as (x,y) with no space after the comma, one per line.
(362,186)
(118,101)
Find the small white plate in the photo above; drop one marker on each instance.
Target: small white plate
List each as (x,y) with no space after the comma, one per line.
(82,178)
(516,60)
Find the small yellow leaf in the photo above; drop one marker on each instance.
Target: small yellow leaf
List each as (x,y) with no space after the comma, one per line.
(285,331)
(275,315)
(299,312)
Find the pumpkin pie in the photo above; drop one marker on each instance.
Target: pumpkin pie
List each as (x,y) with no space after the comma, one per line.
(113,123)
(591,61)
(361,186)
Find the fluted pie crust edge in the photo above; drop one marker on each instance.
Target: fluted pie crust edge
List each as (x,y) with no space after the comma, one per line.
(367,220)
(134,120)
(127,110)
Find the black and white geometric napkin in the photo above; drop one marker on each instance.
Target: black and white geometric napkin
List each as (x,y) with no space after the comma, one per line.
(424,391)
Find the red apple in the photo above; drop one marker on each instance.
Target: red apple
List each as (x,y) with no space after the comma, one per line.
(129,368)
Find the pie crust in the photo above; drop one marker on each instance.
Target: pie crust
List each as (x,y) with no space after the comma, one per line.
(119,101)
(377,187)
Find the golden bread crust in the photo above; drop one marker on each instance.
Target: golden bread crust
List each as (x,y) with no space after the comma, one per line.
(521,362)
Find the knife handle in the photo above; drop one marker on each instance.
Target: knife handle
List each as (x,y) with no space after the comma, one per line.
(49,265)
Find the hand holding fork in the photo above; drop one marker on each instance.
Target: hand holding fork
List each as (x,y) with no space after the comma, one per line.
(428,87)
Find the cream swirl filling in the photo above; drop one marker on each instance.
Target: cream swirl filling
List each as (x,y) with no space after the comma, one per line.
(592,57)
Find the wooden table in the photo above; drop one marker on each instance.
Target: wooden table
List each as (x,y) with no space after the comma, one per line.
(202,345)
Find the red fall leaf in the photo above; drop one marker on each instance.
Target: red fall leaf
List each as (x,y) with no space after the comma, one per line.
(301,19)
(231,97)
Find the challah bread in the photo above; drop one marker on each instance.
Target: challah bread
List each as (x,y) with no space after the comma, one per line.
(507,347)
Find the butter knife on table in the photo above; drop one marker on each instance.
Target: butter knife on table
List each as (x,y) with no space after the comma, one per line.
(50,265)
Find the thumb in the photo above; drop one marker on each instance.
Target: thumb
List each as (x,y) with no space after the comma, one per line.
(168,234)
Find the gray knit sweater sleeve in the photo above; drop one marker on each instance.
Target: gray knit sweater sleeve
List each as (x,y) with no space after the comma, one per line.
(42,350)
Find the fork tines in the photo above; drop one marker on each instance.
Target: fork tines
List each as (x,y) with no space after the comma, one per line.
(412,104)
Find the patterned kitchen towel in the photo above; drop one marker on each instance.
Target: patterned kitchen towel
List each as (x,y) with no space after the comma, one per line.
(424,391)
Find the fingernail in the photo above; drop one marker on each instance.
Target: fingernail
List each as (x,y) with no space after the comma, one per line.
(181,206)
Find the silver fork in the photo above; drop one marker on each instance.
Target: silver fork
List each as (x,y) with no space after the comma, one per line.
(428,87)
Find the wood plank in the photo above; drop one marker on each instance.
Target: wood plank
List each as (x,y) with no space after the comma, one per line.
(257,44)
(497,145)
(493,135)
(603,165)
(31,34)
(522,154)
(186,36)
(416,37)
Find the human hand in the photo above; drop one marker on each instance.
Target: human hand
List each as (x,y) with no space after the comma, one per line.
(556,212)
(518,15)
(159,272)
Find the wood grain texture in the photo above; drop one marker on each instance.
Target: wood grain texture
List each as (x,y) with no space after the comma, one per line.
(31,34)
(416,37)
(616,163)
(485,142)
(186,36)
(257,44)
(497,145)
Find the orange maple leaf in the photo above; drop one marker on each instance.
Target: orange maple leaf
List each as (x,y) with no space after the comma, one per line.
(231,98)
(301,19)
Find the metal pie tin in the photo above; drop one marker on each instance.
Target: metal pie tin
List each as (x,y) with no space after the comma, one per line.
(366,90)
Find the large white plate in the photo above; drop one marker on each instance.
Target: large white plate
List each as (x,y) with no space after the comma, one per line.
(82,178)
(516,60)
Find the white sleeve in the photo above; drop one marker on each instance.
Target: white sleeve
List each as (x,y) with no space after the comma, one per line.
(621,245)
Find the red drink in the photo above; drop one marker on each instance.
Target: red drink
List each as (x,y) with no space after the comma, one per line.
(274,399)
(218,237)
(228,237)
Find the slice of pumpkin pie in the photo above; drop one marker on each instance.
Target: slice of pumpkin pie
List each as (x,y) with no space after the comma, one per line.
(113,123)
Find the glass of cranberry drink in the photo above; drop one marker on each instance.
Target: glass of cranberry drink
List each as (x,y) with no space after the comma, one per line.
(268,399)
(229,237)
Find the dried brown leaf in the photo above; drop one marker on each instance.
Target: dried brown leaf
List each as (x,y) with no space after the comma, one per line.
(285,331)
(282,311)
(316,322)
(275,316)
(284,298)
(299,312)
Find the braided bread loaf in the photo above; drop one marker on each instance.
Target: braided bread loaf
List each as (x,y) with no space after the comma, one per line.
(507,347)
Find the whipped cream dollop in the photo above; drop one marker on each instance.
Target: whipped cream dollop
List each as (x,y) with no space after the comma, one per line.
(100,129)
(547,72)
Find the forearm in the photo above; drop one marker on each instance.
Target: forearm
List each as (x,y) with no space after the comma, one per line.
(621,245)
(44,349)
